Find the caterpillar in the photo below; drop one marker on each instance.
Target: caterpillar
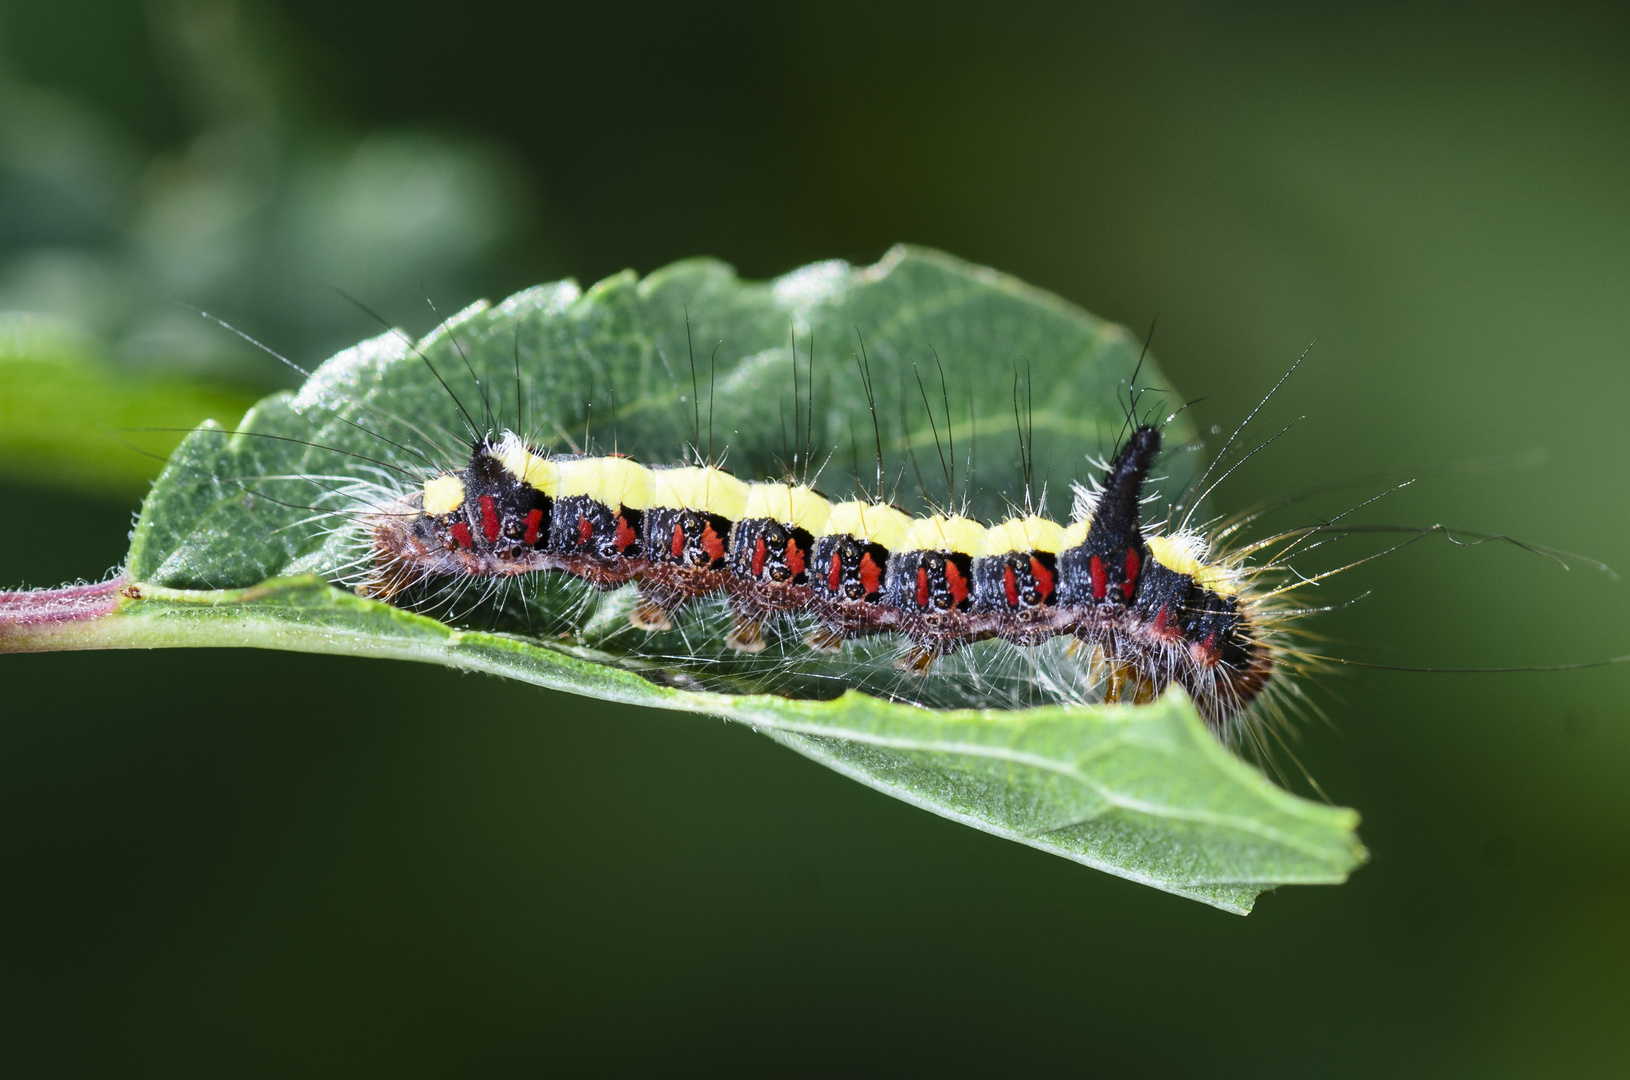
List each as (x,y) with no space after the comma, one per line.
(1158,608)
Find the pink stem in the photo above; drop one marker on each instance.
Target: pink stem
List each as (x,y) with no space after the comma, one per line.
(73,603)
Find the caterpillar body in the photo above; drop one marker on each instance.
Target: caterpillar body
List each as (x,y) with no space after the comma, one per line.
(1158,609)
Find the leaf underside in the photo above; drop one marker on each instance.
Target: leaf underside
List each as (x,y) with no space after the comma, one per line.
(243,533)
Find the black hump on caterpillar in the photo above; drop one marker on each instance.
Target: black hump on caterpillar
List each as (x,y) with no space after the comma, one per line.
(1104,570)
(1116,517)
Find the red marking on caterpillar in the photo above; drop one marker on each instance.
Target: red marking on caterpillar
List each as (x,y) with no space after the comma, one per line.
(1043,576)
(489,518)
(712,545)
(1130,585)
(957,584)
(461,535)
(534,519)
(760,551)
(1100,580)
(795,558)
(1010,585)
(871,576)
(678,545)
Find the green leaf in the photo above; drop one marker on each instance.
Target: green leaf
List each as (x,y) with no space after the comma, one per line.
(68,417)
(1142,791)
(244,530)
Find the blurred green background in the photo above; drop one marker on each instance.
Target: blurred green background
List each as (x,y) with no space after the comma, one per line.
(258,863)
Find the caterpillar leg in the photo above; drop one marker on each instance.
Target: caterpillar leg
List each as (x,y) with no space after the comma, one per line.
(387,579)
(1125,684)
(746,635)
(917,659)
(826,639)
(650,616)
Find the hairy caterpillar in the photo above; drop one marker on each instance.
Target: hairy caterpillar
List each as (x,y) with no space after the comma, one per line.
(1158,608)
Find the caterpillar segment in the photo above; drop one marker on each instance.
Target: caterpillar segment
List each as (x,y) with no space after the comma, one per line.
(852,558)
(772,552)
(687,540)
(1016,579)
(596,530)
(1153,609)
(930,583)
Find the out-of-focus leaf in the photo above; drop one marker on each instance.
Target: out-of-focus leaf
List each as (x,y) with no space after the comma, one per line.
(69,418)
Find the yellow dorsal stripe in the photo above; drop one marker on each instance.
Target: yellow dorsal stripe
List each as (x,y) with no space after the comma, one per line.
(1174,555)
(1075,534)
(1025,534)
(704,490)
(788,504)
(443,495)
(1186,555)
(621,482)
(612,481)
(961,535)
(876,523)
(520,462)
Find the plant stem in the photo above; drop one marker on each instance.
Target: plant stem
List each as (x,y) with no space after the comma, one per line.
(47,620)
